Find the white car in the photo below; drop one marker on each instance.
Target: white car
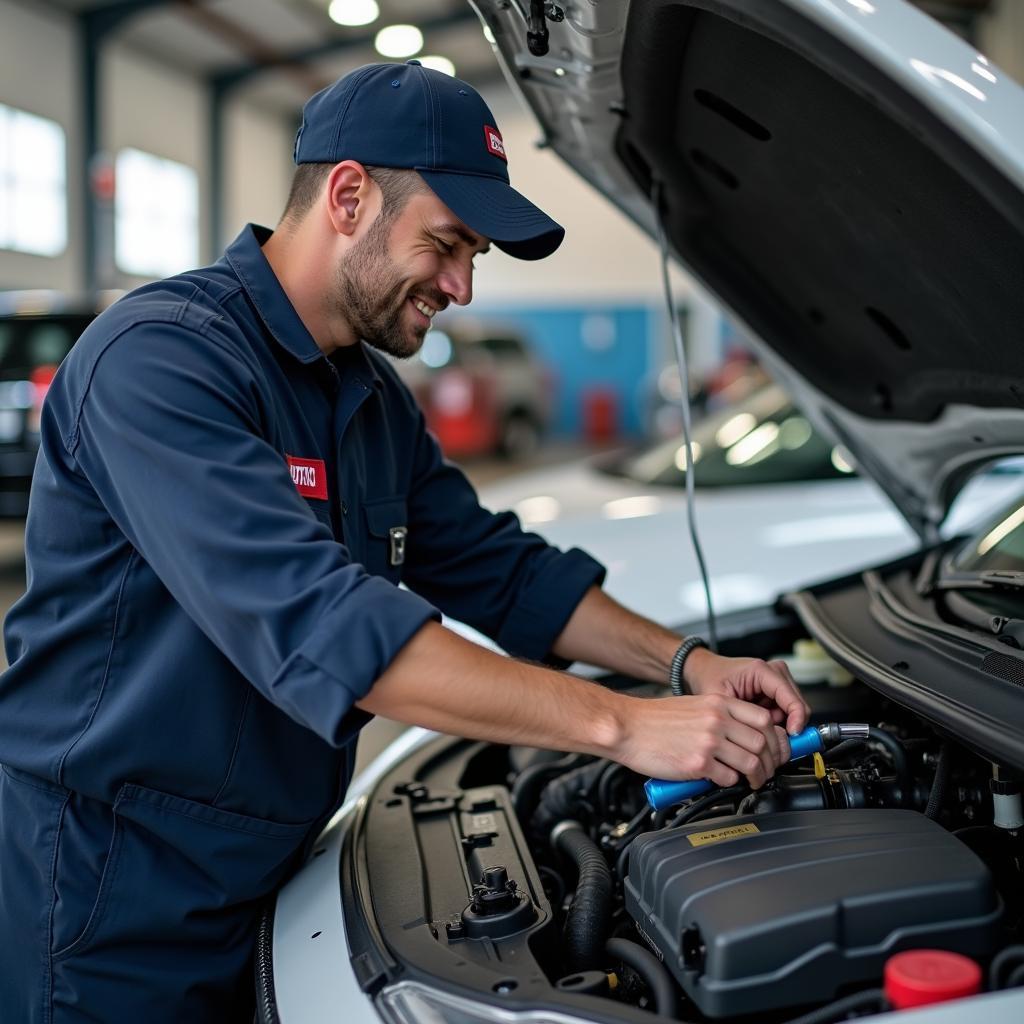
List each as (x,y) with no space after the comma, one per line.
(848,178)
(778,507)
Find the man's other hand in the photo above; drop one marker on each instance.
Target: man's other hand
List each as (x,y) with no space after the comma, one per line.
(765,683)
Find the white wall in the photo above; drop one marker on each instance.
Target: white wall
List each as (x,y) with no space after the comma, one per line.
(165,112)
(258,169)
(39,72)
(150,107)
(147,105)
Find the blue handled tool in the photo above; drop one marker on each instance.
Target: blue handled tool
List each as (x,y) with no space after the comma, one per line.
(661,793)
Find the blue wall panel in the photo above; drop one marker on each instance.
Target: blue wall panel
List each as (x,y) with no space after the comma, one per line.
(584,347)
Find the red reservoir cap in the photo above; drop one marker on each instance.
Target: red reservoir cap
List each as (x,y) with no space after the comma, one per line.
(922,976)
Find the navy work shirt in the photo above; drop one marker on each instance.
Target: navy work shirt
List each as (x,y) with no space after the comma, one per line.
(219,519)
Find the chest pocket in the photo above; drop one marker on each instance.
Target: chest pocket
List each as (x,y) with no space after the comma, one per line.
(387,537)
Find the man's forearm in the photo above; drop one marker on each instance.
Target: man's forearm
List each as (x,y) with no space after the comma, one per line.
(602,632)
(441,681)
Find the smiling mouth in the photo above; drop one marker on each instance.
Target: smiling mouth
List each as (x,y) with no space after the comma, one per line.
(423,308)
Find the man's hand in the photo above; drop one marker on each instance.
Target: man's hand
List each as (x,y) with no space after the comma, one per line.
(710,737)
(766,683)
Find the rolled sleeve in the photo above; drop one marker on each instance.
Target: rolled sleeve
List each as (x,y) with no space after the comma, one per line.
(169,434)
(378,627)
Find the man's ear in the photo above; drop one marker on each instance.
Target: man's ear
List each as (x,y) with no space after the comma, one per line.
(350,197)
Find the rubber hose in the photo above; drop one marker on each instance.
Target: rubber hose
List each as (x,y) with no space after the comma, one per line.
(1011,955)
(720,796)
(872,997)
(606,785)
(560,799)
(841,749)
(658,981)
(589,918)
(1016,978)
(529,783)
(938,791)
(895,750)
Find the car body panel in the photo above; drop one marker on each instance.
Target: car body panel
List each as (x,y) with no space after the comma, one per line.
(313,980)
(758,541)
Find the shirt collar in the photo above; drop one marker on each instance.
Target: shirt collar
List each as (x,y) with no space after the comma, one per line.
(245,255)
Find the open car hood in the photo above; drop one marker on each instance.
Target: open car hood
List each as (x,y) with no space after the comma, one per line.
(846,176)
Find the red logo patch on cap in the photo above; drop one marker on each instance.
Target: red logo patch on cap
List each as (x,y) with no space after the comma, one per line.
(495,145)
(310,476)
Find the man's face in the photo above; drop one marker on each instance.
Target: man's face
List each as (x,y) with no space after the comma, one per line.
(404,270)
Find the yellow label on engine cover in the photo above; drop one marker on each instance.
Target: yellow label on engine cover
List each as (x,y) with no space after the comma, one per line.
(718,835)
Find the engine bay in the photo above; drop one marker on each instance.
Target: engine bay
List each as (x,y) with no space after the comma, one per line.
(543,881)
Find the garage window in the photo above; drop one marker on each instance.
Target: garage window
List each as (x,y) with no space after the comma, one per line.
(156,215)
(33,184)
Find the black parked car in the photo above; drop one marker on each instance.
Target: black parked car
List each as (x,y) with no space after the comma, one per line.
(34,339)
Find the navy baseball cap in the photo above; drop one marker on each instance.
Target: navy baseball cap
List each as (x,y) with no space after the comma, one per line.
(409,116)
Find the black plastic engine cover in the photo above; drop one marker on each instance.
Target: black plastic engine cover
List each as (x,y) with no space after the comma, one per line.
(765,911)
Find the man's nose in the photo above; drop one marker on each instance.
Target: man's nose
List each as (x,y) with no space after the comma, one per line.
(457,283)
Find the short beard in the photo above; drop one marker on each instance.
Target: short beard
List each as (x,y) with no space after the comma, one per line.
(371,295)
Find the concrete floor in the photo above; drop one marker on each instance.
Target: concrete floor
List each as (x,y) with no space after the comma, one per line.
(379,733)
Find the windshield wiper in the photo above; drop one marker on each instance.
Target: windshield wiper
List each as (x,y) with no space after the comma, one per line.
(986,579)
(1002,626)
(934,576)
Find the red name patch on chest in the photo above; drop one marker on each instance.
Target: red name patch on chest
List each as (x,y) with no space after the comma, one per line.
(310,476)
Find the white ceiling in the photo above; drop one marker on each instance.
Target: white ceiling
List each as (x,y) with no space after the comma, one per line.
(208,37)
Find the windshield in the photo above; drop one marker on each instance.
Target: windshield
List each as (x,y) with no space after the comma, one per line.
(764,439)
(999,546)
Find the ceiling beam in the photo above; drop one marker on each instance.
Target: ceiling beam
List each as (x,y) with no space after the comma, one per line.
(256,50)
(229,79)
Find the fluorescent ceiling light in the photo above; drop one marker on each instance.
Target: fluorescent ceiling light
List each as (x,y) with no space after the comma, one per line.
(353,12)
(399,41)
(439,64)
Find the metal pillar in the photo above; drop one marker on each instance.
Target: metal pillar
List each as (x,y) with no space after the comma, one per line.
(216,122)
(95,25)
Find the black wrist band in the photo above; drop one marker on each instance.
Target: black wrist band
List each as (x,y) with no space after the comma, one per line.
(675,672)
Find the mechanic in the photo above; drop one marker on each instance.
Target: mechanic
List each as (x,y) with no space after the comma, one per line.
(231,483)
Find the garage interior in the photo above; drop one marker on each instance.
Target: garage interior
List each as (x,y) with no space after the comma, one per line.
(139,137)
